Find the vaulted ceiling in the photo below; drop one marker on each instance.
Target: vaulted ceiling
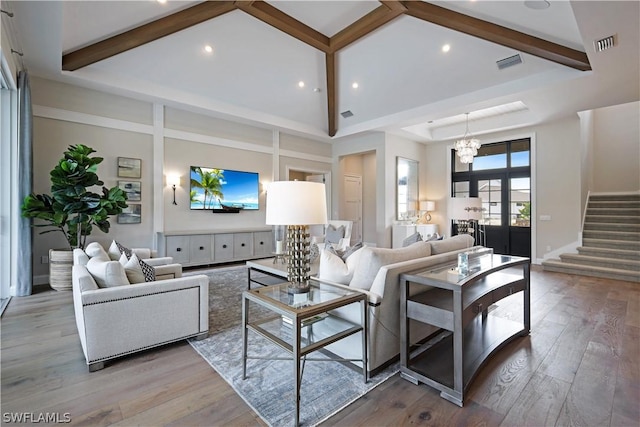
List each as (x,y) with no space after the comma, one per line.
(393,50)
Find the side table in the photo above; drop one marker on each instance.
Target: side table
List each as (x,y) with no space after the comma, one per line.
(458,304)
(291,317)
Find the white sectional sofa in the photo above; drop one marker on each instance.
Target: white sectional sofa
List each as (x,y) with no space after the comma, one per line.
(125,318)
(377,274)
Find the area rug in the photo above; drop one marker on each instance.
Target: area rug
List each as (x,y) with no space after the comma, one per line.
(327,386)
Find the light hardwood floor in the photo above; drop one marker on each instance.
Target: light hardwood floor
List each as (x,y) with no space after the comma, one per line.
(579,366)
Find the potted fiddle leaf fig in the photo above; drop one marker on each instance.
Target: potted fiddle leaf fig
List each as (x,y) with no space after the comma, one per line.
(72,208)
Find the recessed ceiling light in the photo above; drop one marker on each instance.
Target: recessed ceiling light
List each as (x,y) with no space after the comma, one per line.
(355,85)
(162,1)
(446,48)
(208,48)
(537,4)
(300,83)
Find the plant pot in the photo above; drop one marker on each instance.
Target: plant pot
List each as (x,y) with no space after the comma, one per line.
(60,266)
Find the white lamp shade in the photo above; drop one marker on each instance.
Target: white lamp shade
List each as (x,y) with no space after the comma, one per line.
(173,179)
(427,205)
(296,203)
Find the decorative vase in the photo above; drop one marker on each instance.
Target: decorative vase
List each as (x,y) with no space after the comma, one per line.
(60,266)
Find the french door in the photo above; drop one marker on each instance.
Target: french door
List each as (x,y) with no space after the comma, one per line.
(501,178)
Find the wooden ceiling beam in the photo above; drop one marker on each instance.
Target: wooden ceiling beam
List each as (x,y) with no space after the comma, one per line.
(330,64)
(375,19)
(498,34)
(145,33)
(285,23)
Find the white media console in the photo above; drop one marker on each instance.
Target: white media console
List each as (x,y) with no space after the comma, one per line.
(204,247)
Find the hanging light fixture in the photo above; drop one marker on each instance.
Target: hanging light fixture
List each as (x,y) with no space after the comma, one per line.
(468,146)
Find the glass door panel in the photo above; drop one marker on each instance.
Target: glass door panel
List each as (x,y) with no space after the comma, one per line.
(520,202)
(490,191)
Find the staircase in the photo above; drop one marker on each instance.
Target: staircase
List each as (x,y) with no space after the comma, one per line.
(610,240)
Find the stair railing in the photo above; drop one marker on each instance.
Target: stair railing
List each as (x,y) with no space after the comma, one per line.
(584,214)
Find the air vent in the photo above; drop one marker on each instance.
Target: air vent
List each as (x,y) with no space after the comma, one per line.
(346,114)
(509,62)
(605,43)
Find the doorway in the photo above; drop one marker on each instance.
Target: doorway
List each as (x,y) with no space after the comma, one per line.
(352,205)
(501,176)
(314,176)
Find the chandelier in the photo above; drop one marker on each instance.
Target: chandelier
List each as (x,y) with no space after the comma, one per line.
(468,146)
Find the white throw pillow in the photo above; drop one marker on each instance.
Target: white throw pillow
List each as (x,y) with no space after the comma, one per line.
(95,250)
(334,269)
(114,252)
(132,269)
(373,258)
(107,274)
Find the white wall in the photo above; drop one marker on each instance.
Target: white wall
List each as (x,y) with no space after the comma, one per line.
(167,141)
(616,148)
(374,145)
(556,164)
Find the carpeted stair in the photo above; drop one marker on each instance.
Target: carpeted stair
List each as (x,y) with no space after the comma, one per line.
(610,240)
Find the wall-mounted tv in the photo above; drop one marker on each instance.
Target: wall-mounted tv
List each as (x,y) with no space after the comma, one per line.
(223,190)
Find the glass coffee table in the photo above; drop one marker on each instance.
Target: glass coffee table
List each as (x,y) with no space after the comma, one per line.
(302,323)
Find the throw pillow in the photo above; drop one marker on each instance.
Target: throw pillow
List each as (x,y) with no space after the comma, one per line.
(314,253)
(107,274)
(373,258)
(124,250)
(433,238)
(148,271)
(114,252)
(415,237)
(138,271)
(95,250)
(349,251)
(333,234)
(334,269)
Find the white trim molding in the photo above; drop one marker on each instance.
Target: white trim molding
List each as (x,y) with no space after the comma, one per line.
(90,119)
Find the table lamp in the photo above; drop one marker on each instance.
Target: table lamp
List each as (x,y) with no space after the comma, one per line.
(426,206)
(297,204)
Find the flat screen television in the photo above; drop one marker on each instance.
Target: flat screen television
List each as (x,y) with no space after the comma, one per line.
(223,190)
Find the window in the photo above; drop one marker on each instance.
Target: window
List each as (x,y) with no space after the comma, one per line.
(520,199)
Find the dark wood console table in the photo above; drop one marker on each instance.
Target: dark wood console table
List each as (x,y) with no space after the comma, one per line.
(458,304)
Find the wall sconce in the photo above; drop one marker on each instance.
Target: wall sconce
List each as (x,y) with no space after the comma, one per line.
(173,180)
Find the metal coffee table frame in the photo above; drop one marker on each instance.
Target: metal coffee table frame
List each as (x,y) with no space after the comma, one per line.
(325,297)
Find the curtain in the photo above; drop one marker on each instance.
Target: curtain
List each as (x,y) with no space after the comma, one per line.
(23,286)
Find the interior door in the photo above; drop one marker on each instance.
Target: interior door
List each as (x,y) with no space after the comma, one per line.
(352,205)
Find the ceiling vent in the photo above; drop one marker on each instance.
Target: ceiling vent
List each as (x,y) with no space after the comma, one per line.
(509,62)
(605,43)
(346,114)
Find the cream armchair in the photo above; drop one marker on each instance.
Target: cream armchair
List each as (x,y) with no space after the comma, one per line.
(343,242)
(123,319)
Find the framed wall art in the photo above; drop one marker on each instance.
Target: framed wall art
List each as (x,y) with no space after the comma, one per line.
(133,190)
(132,214)
(129,168)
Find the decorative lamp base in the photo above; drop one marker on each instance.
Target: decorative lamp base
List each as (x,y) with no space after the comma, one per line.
(298,255)
(298,288)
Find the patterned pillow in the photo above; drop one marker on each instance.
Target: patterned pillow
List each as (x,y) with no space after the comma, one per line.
(148,271)
(138,271)
(123,249)
(333,234)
